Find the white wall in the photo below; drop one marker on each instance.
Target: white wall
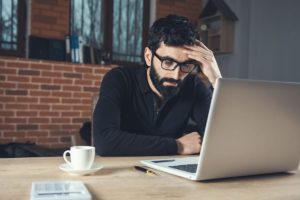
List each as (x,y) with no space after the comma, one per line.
(267,41)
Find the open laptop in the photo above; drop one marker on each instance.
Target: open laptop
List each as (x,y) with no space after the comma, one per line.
(253,127)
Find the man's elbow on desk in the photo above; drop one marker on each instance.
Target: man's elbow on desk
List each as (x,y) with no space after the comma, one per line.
(103,151)
(104,148)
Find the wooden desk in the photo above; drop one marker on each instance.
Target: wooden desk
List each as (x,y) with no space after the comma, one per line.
(118,180)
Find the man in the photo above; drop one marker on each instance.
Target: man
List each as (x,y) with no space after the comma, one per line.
(148,111)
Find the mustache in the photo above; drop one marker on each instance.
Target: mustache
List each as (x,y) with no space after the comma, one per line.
(171,80)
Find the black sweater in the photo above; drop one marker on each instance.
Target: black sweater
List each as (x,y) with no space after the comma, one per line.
(127,121)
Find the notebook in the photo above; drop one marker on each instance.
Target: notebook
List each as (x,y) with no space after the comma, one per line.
(253,127)
(59,190)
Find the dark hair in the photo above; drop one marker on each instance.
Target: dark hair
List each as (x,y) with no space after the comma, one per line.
(173,30)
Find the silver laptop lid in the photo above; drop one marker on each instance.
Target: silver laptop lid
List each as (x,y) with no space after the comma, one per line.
(253,127)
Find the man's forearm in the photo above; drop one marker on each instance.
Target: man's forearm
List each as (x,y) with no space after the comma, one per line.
(114,142)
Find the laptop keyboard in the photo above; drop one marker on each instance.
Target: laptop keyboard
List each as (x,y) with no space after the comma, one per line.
(188,168)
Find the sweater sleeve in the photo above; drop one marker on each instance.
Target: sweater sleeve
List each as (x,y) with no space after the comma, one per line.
(109,139)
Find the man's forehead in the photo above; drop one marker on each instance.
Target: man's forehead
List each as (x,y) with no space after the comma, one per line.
(174,52)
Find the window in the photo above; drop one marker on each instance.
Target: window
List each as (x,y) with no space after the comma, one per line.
(127,30)
(116,29)
(12,27)
(86,21)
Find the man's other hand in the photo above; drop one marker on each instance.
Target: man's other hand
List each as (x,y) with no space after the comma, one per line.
(189,144)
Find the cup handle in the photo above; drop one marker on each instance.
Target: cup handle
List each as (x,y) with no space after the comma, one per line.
(65,157)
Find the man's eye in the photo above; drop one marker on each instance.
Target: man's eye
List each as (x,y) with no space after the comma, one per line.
(168,62)
(188,65)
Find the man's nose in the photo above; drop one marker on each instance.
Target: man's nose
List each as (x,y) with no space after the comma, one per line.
(176,73)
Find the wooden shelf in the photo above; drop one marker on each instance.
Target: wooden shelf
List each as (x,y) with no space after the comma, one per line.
(218,35)
(216,26)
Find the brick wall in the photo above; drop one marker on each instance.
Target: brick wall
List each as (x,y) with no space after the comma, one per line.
(188,8)
(50,19)
(45,102)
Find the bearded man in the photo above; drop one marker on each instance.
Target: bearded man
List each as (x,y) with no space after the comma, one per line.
(160,109)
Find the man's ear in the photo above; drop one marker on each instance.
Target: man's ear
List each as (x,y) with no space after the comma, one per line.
(148,56)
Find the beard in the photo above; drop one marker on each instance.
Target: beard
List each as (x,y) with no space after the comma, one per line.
(166,91)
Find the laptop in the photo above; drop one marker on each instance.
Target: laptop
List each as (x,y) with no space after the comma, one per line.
(253,127)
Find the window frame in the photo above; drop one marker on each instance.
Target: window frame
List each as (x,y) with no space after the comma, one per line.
(20,52)
(107,45)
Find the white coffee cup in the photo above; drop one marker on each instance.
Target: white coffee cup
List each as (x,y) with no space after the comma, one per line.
(82,157)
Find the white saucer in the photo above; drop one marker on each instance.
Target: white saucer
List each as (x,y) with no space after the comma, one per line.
(67,168)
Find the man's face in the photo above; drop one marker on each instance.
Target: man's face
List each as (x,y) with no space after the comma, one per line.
(162,84)
(168,83)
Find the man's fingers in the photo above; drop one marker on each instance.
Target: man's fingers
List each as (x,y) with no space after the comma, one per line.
(208,57)
(197,135)
(197,50)
(200,59)
(200,47)
(203,45)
